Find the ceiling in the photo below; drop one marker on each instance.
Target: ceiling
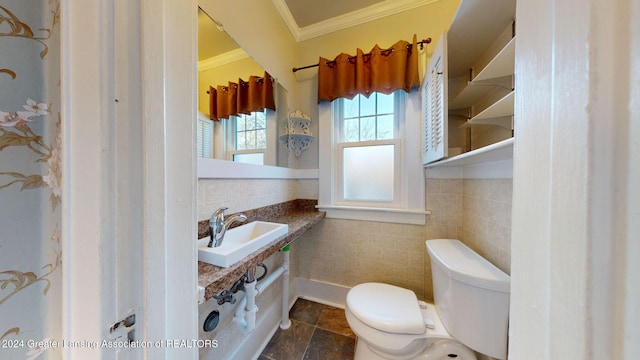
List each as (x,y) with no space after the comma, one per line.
(309,12)
(307,19)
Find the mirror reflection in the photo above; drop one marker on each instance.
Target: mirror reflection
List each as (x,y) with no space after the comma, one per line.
(249,138)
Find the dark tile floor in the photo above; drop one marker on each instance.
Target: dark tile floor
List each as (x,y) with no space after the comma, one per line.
(317,332)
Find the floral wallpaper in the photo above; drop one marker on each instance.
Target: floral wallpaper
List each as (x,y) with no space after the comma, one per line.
(30,175)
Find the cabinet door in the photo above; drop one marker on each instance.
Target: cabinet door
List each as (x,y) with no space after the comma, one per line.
(434,105)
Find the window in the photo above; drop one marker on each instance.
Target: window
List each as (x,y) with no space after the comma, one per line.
(373,170)
(368,149)
(204,143)
(248,138)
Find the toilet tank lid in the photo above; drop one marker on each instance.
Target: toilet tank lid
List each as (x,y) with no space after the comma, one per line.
(463,264)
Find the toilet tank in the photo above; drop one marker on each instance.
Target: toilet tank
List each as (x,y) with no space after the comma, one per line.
(471,296)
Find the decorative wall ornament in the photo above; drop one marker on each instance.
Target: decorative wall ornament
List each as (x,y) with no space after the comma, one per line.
(298,136)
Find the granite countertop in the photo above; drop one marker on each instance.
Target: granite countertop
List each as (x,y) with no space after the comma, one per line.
(300,215)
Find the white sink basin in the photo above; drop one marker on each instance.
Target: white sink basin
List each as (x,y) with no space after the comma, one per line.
(240,242)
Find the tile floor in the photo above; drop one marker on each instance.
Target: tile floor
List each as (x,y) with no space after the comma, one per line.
(317,332)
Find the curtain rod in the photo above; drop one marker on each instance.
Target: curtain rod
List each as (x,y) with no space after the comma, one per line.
(421,43)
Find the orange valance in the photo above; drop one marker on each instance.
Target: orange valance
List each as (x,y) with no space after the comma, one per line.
(243,97)
(381,70)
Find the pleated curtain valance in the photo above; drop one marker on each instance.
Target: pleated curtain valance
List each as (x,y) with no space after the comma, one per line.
(382,70)
(243,97)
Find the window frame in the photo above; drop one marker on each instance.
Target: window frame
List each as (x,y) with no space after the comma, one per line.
(408,206)
(231,139)
(338,118)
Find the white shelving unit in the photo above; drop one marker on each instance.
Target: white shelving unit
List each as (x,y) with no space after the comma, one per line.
(480,58)
(497,73)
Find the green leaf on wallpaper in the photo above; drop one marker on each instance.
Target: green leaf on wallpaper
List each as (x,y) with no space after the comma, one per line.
(19,279)
(15,330)
(12,139)
(14,174)
(46,287)
(7,71)
(33,182)
(18,28)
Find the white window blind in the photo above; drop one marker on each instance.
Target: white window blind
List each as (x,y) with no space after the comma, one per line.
(204,141)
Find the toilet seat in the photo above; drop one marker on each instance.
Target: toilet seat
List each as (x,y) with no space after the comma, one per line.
(387,308)
(390,323)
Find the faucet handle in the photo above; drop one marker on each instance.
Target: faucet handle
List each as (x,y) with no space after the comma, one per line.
(220,211)
(219,214)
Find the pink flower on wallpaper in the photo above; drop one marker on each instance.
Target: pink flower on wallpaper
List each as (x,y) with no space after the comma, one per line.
(33,106)
(53,177)
(10,119)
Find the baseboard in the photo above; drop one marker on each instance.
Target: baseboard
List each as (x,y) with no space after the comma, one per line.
(322,292)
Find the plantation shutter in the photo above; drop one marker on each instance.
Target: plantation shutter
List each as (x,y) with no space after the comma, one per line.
(434,106)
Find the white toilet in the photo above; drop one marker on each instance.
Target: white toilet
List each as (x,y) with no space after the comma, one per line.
(471,311)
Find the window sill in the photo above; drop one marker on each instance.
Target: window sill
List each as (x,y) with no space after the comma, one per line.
(391,215)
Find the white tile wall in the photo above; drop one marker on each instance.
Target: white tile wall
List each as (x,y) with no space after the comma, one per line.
(486,219)
(349,252)
(246,194)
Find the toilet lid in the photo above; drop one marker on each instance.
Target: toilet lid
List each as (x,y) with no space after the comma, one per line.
(387,308)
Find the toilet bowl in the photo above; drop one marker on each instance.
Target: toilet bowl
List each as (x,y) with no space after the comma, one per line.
(391,323)
(470,312)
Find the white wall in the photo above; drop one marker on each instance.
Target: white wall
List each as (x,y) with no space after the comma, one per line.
(571,291)
(258,28)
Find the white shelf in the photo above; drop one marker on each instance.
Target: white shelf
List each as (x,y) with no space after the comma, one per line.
(501,65)
(505,122)
(499,113)
(501,108)
(476,91)
(502,150)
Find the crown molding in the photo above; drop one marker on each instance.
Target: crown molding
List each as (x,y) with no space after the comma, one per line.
(286,15)
(370,13)
(222,59)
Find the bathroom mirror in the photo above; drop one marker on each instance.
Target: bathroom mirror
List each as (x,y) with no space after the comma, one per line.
(247,139)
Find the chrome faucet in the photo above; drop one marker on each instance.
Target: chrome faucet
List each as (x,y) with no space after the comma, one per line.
(219,225)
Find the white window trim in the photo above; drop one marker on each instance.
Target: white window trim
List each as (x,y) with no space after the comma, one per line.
(412,205)
(270,152)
